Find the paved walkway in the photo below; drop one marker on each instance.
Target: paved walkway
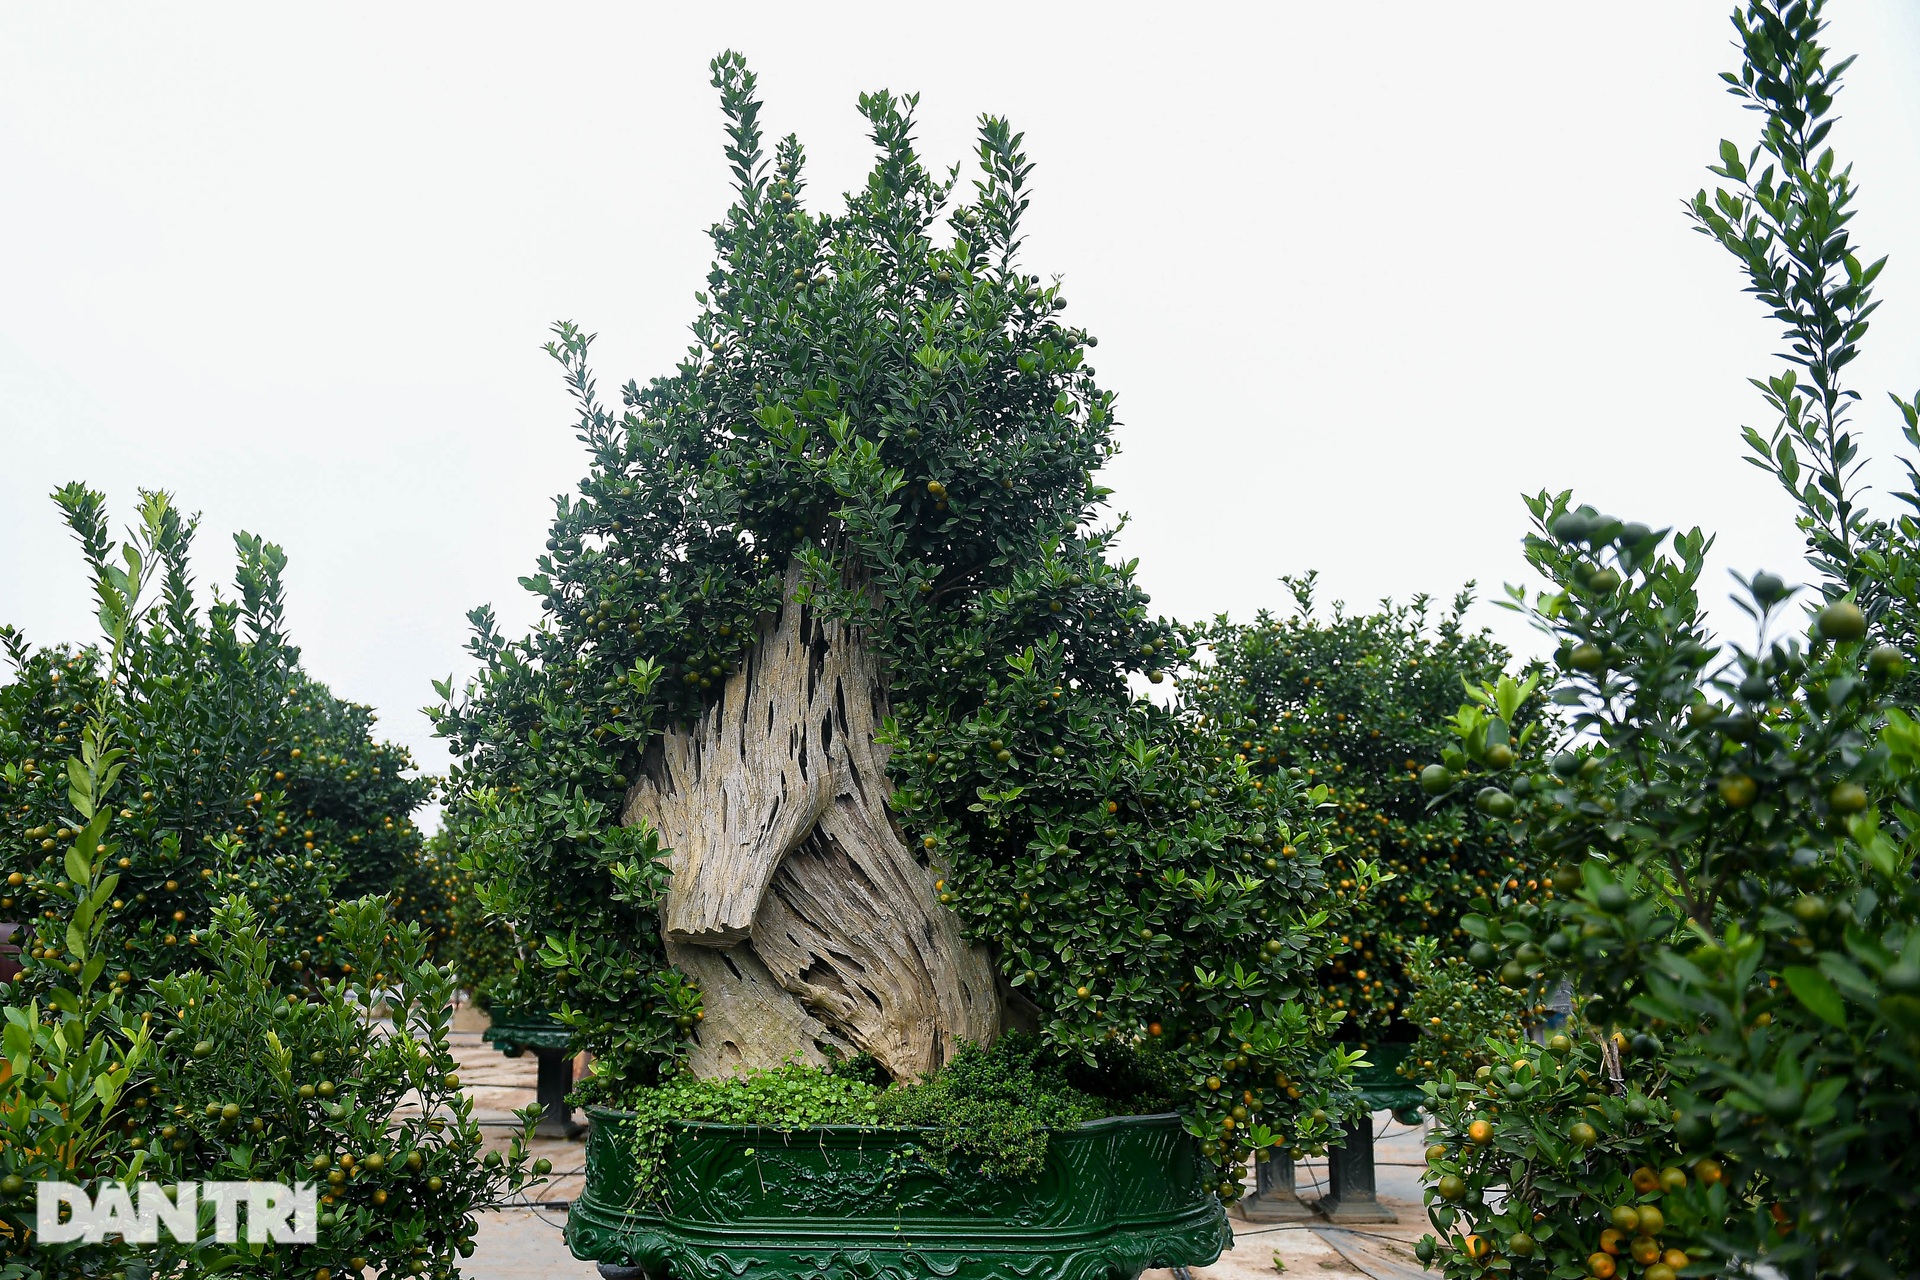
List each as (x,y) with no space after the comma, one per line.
(1382,1251)
(519,1243)
(524,1243)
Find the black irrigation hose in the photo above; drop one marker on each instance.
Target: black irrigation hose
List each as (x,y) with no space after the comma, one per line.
(1317,1226)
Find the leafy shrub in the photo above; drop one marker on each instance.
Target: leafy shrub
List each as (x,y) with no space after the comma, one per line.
(355,1090)
(1358,703)
(245,777)
(1735,826)
(353,791)
(904,416)
(528,855)
(1784,216)
(242,1062)
(1459,1010)
(1742,898)
(1555,1161)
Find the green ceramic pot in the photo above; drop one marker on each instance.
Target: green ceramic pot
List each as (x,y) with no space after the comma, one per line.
(514,1031)
(839,1202)
(1385,1088)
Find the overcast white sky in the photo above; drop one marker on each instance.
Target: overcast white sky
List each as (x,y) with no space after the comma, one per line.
(1362,274)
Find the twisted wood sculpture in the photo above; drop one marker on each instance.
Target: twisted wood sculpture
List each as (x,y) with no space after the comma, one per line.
(796,904)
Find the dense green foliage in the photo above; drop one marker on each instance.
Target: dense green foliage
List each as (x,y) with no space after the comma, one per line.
(1736,886)
(1359,703)
(240,955)
(245,776)
(355,1090)
(990,1110)
(903,415)
(140,1043)
(1735,826)
(596,960)
(353,791)
(1458,1009)
(1559,1160)
(478,945)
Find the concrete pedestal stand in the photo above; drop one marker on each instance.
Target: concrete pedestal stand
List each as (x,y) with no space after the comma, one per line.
(515,1032)
(1352,1194)
(553,1084)
(1274,1198)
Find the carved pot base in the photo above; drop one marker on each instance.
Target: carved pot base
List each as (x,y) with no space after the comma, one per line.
(1116,1197)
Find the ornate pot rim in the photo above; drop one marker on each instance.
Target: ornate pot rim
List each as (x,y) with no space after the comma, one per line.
(616,1113)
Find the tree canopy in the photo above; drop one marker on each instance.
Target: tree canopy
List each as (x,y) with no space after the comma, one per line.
(884,400)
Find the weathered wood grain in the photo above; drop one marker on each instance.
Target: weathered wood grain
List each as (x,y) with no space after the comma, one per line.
(750,1021)
(787,866)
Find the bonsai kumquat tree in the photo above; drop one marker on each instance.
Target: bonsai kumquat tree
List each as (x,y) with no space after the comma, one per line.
(1733,827)
(854,545)
(1357,703)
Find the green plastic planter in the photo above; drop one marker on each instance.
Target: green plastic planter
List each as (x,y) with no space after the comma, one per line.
(838,1202)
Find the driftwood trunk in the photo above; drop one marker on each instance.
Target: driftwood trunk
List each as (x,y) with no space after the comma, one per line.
(796,905)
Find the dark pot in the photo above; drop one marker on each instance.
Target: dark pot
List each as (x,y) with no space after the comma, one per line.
(10,951)
(1385,1088)
(840,1202)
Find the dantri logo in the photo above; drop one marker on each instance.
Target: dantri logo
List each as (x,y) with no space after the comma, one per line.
(276,1213)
